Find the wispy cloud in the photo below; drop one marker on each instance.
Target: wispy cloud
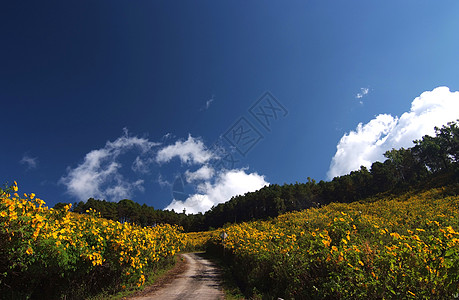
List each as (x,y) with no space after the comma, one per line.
(368,142)
(208,103)
(363,92)
(167,136)
(99,174)
(163,182)
(29,162)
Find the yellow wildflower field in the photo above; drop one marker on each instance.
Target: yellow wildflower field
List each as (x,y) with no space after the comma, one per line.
(36,242)
(396,247)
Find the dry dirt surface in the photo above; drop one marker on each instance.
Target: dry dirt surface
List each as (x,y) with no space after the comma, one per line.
(193,278)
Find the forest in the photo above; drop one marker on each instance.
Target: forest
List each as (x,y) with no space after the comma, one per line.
(432,161)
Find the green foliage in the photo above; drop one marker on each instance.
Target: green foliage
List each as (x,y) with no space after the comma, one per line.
(432,161)
(53,253)
(129,211)
(402,247)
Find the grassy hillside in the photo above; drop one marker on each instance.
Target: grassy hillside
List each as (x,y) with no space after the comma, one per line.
(388,248)
(54,254)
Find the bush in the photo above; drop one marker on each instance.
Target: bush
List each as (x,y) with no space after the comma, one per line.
(47,253)
(400,248)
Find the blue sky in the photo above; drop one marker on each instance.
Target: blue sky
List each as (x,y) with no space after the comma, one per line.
(118,99)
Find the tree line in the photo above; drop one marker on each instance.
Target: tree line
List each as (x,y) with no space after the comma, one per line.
(431,161)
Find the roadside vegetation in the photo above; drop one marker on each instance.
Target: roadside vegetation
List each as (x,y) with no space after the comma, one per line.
(51,254)
(404,247)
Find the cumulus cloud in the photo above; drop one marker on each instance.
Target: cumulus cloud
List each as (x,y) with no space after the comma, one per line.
(117,170)
(200,186)
(191,151)
(227,184)
(99,175)
(29,162)
(370,141)
(203,173)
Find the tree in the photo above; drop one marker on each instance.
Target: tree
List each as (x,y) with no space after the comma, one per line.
(60,205)
(448,139)
(406,168)
(428,150)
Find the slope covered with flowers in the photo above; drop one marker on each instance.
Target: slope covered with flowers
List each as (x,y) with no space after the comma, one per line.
(394,248)
(47,253)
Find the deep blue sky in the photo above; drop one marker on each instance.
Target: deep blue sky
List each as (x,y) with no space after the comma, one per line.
(74,74)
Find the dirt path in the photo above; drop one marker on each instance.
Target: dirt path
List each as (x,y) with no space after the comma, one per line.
(200,280)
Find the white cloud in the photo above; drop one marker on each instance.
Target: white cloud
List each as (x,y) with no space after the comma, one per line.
(191,151)
(143,163)
(228,183)
(30,162)
(123,189)
(363,92)
(168,136)
(368,142)
(163,182)
(203,173)
(208,103)
(99,176)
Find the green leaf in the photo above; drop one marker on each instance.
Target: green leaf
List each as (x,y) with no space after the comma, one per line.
(450,252)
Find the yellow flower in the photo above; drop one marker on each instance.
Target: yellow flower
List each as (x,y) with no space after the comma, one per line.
(395,235)
(29,251)
(451,230)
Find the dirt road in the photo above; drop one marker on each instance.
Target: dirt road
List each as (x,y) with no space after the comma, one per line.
(199,281)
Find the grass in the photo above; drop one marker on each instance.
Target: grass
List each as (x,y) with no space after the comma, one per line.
(153,277)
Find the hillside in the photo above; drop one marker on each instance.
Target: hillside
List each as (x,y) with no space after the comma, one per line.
(431,162)
(388,232)
(57,254)
(404,247)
